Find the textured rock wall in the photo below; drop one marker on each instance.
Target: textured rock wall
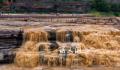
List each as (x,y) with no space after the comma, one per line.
(100,20)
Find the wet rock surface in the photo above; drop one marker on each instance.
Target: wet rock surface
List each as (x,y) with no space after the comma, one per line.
(10,39)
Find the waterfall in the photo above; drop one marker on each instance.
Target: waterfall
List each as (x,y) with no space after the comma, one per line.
(28,54)
(68,48)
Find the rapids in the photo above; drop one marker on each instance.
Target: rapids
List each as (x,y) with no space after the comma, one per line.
(74,47)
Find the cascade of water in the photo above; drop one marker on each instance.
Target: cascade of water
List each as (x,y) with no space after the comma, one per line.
(64,36)
(77,36)
(37,36)
(28,55)
(72,48)
(61,36)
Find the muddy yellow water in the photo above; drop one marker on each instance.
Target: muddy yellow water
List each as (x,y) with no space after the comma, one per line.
(90,46)
(13,67)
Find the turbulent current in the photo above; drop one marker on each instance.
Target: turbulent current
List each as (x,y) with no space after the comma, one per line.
(72,46)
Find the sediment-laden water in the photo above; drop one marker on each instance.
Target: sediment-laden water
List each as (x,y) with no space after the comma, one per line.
(72,47)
